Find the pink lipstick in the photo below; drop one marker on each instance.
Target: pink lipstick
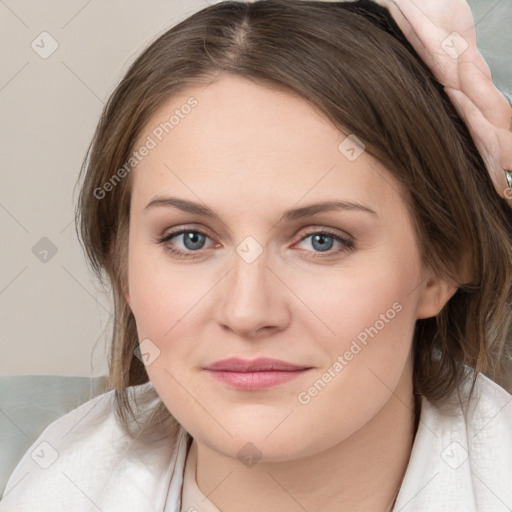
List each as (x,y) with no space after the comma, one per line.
(254,374)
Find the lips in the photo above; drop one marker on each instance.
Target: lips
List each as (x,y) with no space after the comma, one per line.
(261,364)
(254,375)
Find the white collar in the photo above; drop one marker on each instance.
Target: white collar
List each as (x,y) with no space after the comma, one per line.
(462,458)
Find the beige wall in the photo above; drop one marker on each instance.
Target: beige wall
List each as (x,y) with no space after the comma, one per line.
(53,317)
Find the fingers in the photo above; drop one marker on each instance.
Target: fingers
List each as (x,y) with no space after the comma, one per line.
(444,36)
(480,89)
(494,144)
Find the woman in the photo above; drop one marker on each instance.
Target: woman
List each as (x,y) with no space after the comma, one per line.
(311,272)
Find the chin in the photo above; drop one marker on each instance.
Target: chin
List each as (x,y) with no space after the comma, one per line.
(267,441)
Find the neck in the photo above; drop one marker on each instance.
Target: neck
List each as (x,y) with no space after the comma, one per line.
(363,472)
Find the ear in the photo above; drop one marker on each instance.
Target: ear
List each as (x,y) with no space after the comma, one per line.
(435,294)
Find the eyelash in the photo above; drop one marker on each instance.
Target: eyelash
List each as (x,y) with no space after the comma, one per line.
(348,244)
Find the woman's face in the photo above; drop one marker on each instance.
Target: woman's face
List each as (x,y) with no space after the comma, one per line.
(270,272)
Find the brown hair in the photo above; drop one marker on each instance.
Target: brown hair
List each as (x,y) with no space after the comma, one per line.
(351,61)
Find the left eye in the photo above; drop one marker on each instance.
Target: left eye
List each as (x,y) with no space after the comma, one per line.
(323,241)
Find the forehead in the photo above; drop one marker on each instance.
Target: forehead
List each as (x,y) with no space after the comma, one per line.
(235,139)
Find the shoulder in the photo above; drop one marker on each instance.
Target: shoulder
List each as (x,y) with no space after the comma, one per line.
(482,443)
(85,459)
(488,418)
(461,459)
(484,410)
(490,401)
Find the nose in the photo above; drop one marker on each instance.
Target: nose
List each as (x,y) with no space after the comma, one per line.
(253,300)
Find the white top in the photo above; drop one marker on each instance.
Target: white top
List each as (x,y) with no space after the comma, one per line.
(460,461)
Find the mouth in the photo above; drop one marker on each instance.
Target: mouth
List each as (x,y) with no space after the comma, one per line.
(254,374)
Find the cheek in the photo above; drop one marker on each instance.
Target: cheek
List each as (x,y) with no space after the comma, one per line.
(371,300)
(172,305)
(371,313)
(161,293)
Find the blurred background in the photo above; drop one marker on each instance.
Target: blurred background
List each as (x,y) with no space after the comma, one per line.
(60,62)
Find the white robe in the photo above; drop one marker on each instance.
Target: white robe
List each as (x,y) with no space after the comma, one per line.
(460,461)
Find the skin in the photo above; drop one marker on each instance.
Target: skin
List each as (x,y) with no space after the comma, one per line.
(250,153)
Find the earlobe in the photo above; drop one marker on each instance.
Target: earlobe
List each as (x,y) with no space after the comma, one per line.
(436,293)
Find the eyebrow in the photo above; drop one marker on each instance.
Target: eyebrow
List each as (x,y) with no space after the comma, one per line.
(289,215)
